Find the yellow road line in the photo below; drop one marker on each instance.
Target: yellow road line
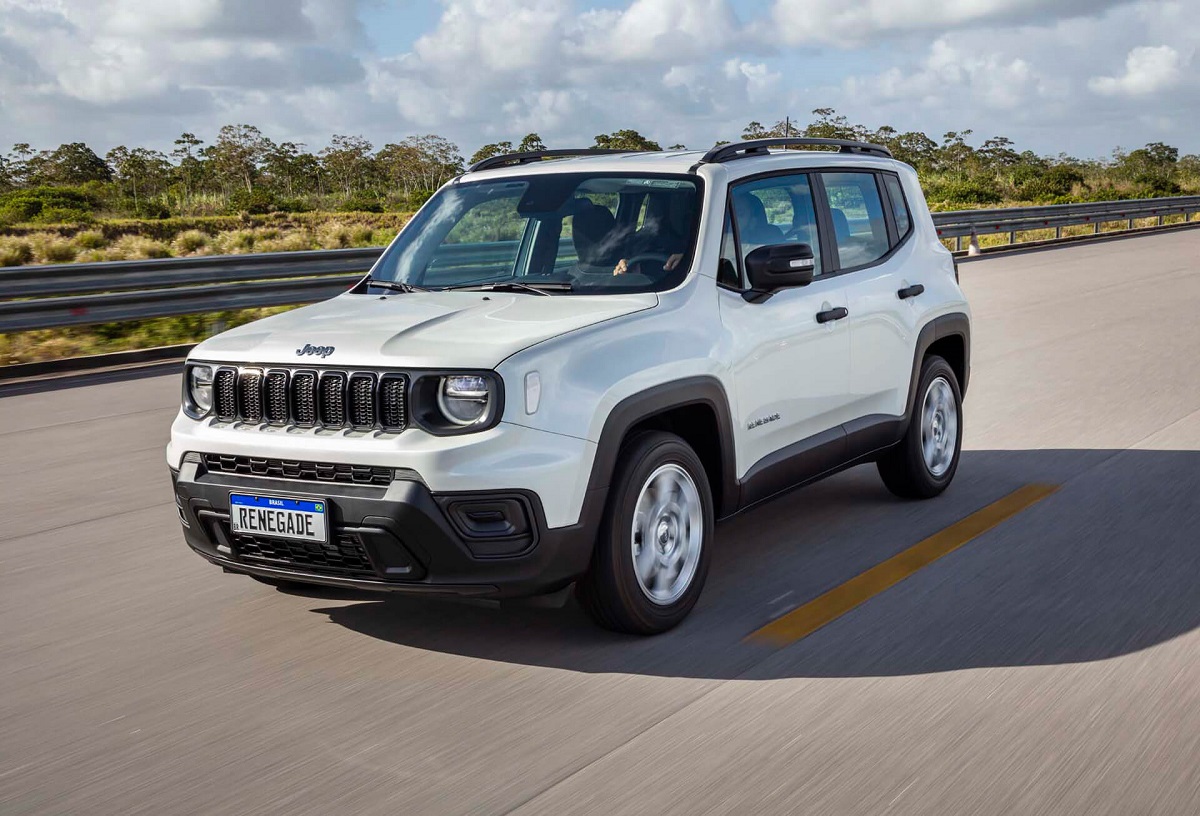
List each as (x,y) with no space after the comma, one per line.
(803,621)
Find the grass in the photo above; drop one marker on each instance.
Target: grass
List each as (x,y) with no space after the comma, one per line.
(131,239)
(51,344)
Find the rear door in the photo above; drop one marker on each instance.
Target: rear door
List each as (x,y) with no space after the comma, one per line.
(791,372)
(872,228)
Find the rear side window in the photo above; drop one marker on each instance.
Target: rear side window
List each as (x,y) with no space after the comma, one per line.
(859,224)
(899,206)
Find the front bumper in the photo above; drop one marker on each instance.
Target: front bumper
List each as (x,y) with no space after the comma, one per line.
(398,537)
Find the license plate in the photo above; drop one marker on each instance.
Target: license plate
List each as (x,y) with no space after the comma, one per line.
(278,517)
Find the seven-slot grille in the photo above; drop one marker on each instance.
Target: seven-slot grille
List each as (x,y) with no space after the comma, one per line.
(330,399)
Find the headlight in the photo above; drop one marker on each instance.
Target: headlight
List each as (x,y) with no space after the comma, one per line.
(197,391)
(447,403)
(464,399)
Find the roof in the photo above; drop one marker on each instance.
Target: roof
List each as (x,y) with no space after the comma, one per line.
(685,161)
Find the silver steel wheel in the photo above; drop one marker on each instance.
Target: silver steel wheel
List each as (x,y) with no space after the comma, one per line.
(939,427)
(668,532)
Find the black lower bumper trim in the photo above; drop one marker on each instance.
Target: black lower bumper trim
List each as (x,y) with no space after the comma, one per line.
(396,538)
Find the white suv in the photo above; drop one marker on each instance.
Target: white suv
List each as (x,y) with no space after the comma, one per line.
(563,372)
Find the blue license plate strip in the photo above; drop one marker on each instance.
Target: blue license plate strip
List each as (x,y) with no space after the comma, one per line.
(279,517)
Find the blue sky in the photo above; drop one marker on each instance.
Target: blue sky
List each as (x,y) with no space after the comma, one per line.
(1076,76)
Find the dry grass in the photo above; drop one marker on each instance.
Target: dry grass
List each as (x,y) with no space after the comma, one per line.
(15,251)
(50,344)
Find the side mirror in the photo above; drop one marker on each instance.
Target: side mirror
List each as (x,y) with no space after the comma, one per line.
(780,266)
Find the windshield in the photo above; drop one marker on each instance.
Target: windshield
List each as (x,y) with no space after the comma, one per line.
(581,233)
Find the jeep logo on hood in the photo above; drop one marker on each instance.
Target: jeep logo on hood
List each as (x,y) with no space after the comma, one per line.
(314,351)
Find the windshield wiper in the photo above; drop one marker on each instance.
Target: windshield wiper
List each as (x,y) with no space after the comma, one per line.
(395,286)
(513,286)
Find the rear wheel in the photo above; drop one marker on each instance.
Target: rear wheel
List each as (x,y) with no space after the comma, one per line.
(652,554)
(925,461)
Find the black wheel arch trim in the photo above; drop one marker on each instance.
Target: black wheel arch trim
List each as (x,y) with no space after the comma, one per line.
(948,325)
(700,390)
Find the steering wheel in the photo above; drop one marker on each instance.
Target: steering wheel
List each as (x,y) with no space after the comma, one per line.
(642,257)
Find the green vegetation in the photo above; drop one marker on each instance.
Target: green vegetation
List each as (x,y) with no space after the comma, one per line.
(247,193)
(243,173)
(50,344)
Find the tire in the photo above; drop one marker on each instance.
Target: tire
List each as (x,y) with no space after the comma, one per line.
(914,469)
(661,475)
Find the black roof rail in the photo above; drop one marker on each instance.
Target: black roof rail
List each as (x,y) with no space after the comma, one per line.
(537,155)
(758,147)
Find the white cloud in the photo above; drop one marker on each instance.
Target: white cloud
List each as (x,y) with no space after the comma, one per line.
(110,67)
(1148,69)
(854,23)
(1047,74)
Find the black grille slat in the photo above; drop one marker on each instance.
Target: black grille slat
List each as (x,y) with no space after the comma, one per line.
(311,398)
(362,400)
(250,395)
(276,397)
(393,410)
(304,398)
(343,555)
(225,393)
(302,471)
(331,399)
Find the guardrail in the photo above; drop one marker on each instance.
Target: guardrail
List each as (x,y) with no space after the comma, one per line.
(53,296)
(960,224)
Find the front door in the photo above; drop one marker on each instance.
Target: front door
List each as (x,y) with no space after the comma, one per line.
(791,352)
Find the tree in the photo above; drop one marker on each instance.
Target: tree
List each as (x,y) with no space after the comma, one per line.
(997,152)
(237,154)
(347,162)
(913,147)
(629,140)
(419,164)
(17,163)
(531,143)
(489,150)
(144,171)
(190,170)
(1152,166)
(72,163)
(832,125)
(289,167)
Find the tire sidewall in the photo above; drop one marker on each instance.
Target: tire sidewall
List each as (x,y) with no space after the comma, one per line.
(933,368)
(647,455)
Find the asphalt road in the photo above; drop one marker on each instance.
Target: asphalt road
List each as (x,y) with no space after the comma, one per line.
(1050,665)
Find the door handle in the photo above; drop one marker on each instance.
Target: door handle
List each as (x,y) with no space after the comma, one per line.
(910,291)
(832,314)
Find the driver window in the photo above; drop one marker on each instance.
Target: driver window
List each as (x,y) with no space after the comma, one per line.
(776,210)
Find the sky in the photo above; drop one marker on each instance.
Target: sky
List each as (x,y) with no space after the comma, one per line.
(1074,76)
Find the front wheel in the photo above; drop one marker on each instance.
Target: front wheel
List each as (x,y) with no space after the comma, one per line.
(925,461)
(652,554)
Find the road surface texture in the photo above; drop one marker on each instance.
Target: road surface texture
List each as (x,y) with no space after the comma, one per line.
(1049,665)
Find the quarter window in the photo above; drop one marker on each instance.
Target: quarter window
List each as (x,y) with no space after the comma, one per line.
(729,274)
(899,206)
(859,225)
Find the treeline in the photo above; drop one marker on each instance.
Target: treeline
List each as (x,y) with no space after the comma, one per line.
(244,171)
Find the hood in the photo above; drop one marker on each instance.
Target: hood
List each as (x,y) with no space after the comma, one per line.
(416,330)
